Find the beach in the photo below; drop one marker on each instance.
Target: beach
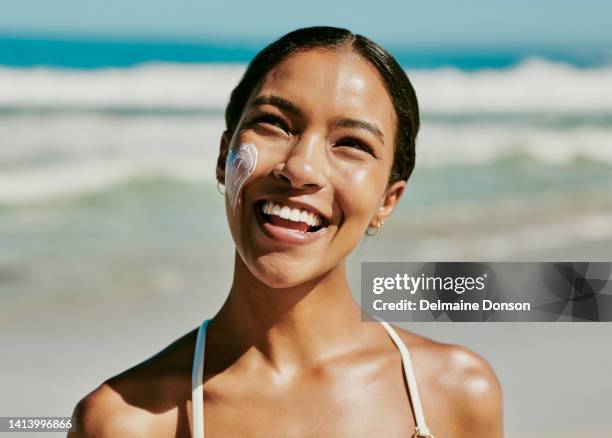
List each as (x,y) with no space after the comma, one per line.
(78,320)
(115,243)
(554,375)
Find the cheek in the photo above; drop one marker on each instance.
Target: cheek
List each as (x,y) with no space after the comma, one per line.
(270,149)
(357,190)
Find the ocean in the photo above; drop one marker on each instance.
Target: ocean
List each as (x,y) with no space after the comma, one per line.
(108,150)
(114,241)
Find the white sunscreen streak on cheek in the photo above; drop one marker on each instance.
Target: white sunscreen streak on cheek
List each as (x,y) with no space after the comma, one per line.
(239,166)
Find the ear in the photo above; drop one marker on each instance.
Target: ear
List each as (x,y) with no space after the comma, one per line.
(390,198)
(223,150)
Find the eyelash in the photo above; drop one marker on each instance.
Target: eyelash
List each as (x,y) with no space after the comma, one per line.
(360,145)
(271,120)
(277,122)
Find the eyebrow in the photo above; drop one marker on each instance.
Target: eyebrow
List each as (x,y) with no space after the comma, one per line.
(287,105)
(362,124)
(278,102)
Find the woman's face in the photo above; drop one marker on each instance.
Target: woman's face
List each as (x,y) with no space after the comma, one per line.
(323,125)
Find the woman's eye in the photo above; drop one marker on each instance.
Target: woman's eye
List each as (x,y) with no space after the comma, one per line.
(272,120)
(354,143)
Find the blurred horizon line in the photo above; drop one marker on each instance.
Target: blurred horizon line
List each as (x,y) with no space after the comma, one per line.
(29,49)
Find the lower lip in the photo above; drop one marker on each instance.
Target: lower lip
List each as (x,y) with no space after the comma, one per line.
(285,235)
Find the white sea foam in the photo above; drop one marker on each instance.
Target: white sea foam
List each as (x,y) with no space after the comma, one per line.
(78,178)
(534,85)
(444,144)
(147,85)
(48,155)
(58,157)
(34,138)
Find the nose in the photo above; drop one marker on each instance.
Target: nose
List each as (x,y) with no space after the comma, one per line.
(305,165)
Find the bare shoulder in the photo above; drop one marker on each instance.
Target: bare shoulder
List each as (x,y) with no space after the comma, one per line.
(140,400)
(454,366)
(104,413)
(460,380)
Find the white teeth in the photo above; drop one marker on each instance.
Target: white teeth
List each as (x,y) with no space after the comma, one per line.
(293,214)
(304,216)
(296,215)
(285,212)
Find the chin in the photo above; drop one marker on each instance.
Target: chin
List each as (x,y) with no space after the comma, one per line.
(279,274)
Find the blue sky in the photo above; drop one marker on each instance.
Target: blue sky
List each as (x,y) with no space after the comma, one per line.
(478,22)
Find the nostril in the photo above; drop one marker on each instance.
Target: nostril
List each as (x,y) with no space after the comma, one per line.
(279,173)
(298,183)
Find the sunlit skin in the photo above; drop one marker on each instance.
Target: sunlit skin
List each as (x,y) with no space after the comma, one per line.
(288,354)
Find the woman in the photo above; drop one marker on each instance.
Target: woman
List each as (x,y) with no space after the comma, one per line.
(318,148)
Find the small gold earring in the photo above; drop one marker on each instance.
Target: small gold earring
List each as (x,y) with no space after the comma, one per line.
(380,223)
(219,188)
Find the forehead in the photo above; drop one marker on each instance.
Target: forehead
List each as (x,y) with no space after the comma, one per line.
(331,84)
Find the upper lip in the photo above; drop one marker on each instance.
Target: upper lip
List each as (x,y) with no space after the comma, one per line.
(295,204)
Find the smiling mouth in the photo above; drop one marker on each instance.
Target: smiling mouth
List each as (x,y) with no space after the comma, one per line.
(279,215)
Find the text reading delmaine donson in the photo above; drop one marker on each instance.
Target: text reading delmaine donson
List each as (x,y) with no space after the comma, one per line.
(458,285)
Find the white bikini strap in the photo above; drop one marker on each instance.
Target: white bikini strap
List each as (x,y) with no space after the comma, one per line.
(197,389)
(421,427)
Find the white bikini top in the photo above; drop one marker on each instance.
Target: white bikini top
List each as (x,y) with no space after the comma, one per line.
(197,390)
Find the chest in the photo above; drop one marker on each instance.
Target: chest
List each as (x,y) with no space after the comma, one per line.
(358,402)
(359,406)
(311,413)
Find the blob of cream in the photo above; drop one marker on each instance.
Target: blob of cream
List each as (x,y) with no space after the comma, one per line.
(239,166)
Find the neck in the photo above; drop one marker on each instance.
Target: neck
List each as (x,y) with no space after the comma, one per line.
(288,327)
